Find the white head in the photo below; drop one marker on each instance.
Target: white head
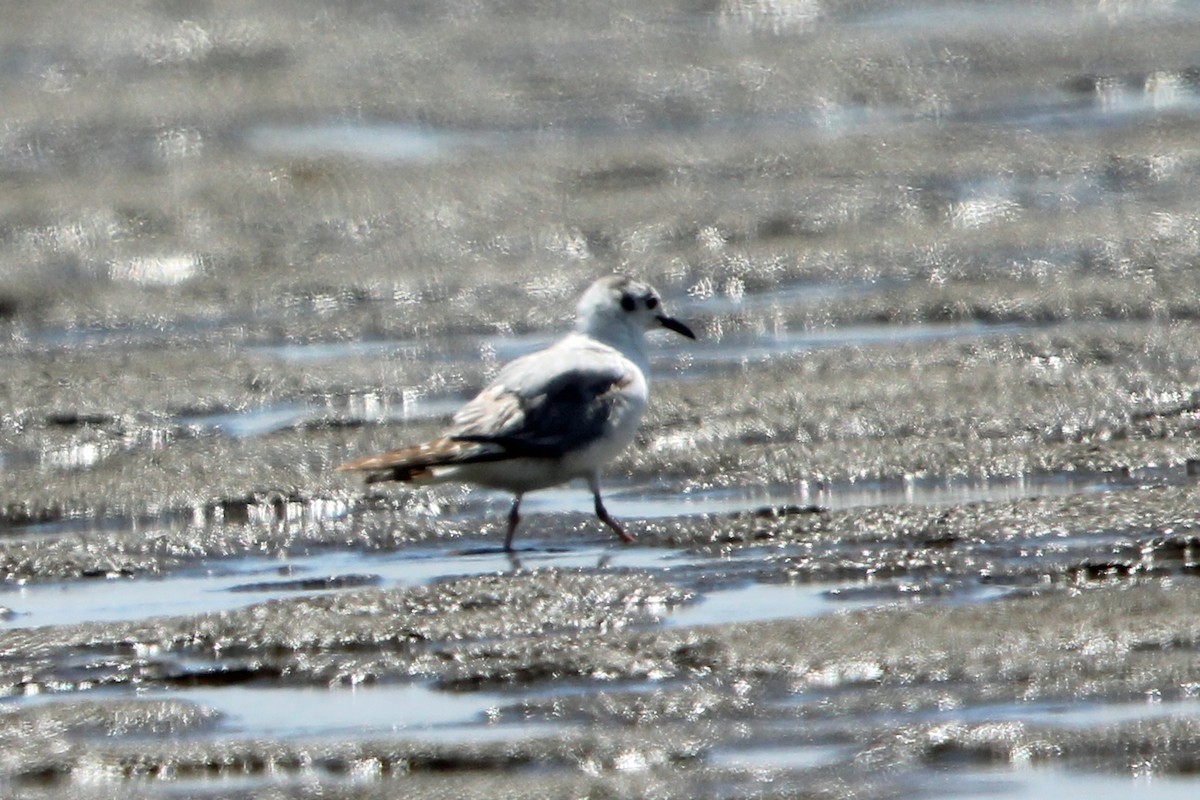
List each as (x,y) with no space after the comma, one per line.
(617,309)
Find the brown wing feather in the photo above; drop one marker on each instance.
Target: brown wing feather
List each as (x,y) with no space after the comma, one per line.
(494,407)
(414,463)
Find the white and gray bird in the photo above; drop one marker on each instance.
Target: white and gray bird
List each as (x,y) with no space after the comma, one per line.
(552,416)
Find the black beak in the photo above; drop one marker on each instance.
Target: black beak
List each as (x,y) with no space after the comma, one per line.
(672,324)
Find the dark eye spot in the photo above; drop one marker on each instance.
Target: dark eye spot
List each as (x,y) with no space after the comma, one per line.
(628,303)
(652,303)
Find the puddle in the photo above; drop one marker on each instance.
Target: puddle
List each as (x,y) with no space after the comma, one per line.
(775,757)
(369,408)
(235,583)
(358,139)
(1015,19)
(19,459)
(119,599)
(945,18)
(1082,714)
(271,711)
(222,785)
(258,422)
(999,782)
(123,335)
(1056,782)
(409,710)
(660,502)
(707,301)
(760,602)
(1070,714)
(750,348)
(435,349)
(226,584)
(336,351)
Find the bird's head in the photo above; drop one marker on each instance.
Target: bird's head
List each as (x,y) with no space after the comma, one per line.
(616,302)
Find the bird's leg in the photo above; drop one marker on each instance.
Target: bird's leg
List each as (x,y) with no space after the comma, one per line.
(602,512)
(514,517)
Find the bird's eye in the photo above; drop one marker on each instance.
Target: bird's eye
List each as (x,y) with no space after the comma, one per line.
(651,303)
(628,303)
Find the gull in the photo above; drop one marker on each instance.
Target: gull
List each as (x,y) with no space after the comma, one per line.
(552,416)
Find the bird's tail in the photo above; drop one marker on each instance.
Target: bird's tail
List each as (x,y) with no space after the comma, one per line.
(416,463)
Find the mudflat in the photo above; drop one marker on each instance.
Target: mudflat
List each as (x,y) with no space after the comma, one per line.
(916,515)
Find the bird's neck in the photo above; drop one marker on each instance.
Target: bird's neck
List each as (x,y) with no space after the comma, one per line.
(627,340)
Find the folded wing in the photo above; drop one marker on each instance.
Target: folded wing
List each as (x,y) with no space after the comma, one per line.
(541,406)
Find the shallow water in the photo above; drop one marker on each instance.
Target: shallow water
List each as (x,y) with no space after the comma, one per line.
(1051,782)
(772,758)
(757,602)
(652,503)
(1083,714)
(409,709)
(375,141)
(234,583)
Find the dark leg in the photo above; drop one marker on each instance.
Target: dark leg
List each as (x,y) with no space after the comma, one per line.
(514,517)
(602,512)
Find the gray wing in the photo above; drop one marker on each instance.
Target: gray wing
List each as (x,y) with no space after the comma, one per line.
(549,403)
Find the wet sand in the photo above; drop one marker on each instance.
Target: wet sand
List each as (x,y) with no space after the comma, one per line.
(916,515)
